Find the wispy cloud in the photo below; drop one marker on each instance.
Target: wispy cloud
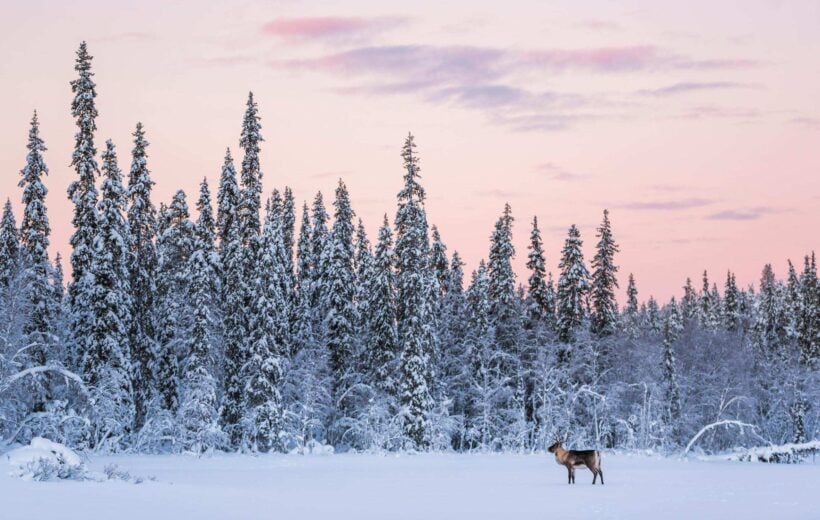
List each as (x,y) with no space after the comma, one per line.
(332,28)
(667,205)
(695,86)
(127,36)
(597,24)
(488,79)
(558,173)
(744,214)
(806,122)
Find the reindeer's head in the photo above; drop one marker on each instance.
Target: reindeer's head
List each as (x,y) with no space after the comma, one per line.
(555,446)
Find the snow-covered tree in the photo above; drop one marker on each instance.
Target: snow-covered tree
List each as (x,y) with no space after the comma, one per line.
(142,269)
(83,194)
(672,326)
(107,363)
(604,282)
(174,247)
(232,299)
(573,287)
(808,317)
(411,263)
(731,303)
(631,311)
(9,246)
(34,241)
(262,372)
(382,348)
(340,299)
(198,410)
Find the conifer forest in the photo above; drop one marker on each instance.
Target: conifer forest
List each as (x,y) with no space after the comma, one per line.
(241,320)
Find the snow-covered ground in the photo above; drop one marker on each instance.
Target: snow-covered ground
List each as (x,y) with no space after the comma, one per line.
(428,486)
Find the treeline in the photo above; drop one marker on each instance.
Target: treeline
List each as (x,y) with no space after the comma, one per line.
(234,330)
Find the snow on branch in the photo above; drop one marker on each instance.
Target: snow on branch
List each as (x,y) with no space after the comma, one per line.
(725,422)
(786,453)
(4,385)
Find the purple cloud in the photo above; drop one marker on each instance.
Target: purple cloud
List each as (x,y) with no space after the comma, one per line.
(693,86)
(668,205)
(744,214)
(329,27)
(558,173)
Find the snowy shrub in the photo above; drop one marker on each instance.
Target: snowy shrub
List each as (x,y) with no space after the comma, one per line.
(44,460)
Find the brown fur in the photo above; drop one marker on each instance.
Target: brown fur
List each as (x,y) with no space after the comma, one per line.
(573,458)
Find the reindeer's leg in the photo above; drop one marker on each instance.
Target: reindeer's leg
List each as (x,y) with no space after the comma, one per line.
(601,473)
(573,475)
(569,475)
(594,474)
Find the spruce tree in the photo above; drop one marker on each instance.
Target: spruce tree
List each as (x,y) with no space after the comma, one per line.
(34,241)
(573,287)
(174,247)
(383,349)
(9,246)
(142,228)
(411,265)
(340,297)
(198,412)
(107,364)
(537,288)
(232,298)
(604,282)
(671,329)
(438,258)
(83,194)
(262,372)
(631,312)
(731,303)
(251,178)
(808,318)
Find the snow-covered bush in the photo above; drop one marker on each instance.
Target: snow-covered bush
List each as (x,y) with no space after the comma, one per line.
(44,460)
(785,454)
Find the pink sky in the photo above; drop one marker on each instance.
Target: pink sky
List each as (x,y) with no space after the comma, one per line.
(696,123)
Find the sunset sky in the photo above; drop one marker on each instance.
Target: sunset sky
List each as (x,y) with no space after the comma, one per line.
(697,124)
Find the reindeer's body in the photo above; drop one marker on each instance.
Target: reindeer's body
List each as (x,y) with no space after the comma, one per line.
(573,458)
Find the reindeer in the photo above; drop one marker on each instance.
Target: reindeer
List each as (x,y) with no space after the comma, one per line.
(573,458)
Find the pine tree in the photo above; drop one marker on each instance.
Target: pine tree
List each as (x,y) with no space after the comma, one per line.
(383,349)
(142,229)
(689,302)
(107,363)
(631,312)
(808,319)
(604,282)
(250,198)
(9,246)
(770,332)
(174,247)
(83,195)
(319,244)
(267,328)
(731,303)
(537,288)
(411,262)
(791,301)
(502,284)
(340,297)
(34,233)
(198,412)
(363,269)
(232,298)
(438,258)
(479,412)
(573,287)
(671,329)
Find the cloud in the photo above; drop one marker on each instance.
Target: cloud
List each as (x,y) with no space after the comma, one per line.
(597,24)
(130,36)
(693,86)
(806,122)
(558,173)
(329,27)
(668,205)
(744,214)
(488,79)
